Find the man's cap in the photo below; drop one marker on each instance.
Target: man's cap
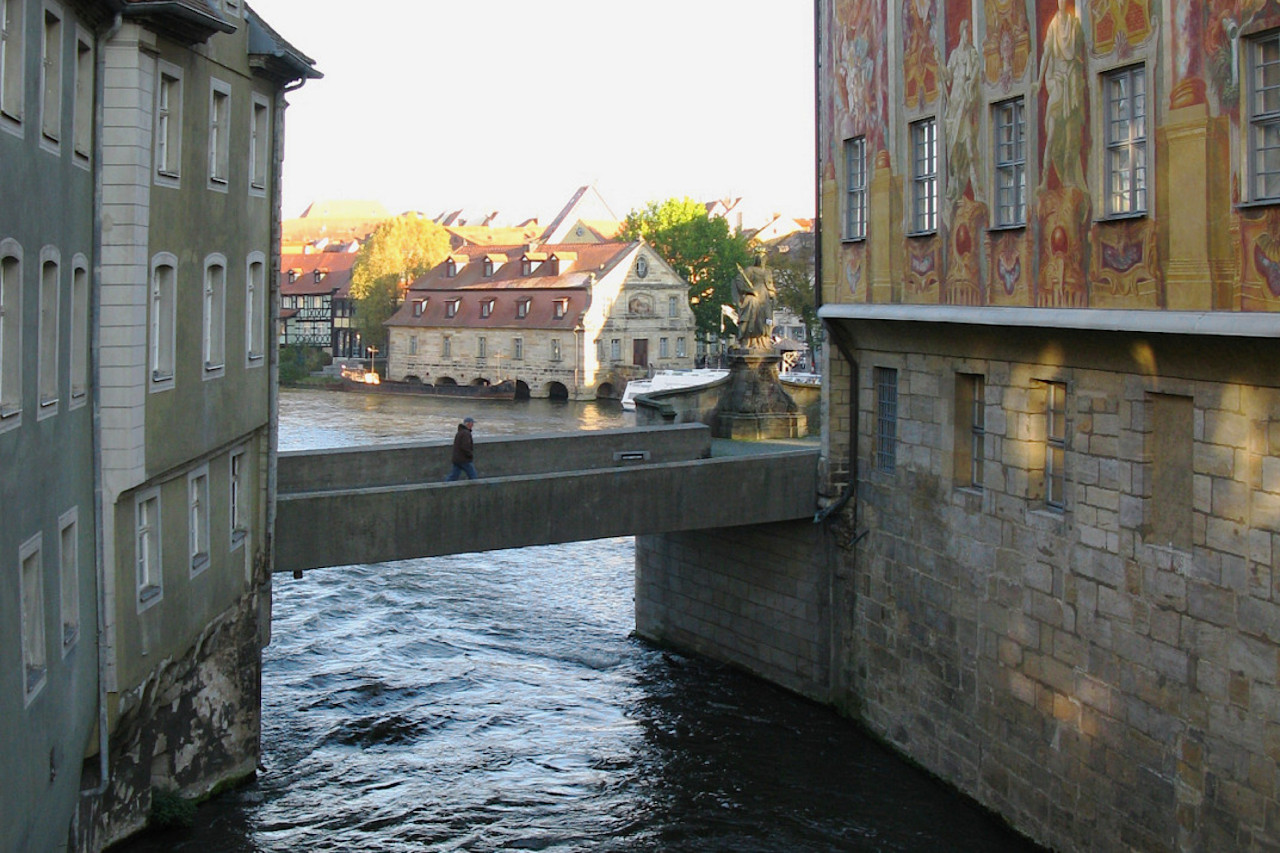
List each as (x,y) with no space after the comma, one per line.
(468,420)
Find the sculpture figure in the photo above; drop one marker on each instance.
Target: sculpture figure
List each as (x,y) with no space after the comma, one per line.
(1062,74)
(754,292)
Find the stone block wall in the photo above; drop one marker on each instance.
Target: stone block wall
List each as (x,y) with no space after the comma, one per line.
(754,597)
(1075,668)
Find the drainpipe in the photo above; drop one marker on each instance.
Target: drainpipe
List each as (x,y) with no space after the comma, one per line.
(95,370)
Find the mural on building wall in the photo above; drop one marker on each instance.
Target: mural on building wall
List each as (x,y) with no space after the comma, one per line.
(1186,39)
(1119,25)
(964,278)
(922,278)
(861,98)
(855,264)
(1007,44)
(920,53)
(1260,261)
(1126,270)
(1009,269)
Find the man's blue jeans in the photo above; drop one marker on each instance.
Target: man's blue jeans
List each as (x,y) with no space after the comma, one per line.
(458,470)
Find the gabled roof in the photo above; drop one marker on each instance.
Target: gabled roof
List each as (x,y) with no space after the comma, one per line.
(336,274)
(271,54)
(580,261)
(187,21)
(586,204)
(504,309)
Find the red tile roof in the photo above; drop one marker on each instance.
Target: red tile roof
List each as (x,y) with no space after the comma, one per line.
(577,262)
(335,268)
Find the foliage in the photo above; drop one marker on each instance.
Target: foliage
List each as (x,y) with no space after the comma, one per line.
(298,361)
(170,810)
(699,247)
(793,271)
(399,251)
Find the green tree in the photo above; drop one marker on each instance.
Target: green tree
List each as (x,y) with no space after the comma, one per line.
(399,251)
(699,247)
(792,263)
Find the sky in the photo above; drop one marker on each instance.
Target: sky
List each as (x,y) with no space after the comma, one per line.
(511,105)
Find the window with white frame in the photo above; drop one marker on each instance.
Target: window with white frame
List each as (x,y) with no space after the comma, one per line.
(79,353)
(518,349)
(451,307)
(1124,93)
(418,306)
(69,577)
(1009,125)
(11,60)
(215,302)
(413,345)
(486,307)
(924,175)
(35,664)
(664,347)
(673,306)
(219,133)
(555,349)
(50,293)
(522,308)
(855,175)
(164,280)
(51,77)
(680,350)
(255,309)
(239,497)
(562,305)
(10,329)
(615,349)
(1055,444)
(147,548)
(886,448)
(446,347)
(198,520)
(482,347)
(1264,117)
(168,132)
(259,143)
(82,114)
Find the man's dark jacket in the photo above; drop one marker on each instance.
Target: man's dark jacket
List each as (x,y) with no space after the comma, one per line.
(462,447)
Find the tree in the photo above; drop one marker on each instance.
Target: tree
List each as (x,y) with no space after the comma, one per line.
(791,260)
(397,252)
(697,246)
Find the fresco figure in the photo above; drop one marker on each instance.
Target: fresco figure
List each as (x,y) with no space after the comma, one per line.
(1062,68)
(963,73)
(920,54)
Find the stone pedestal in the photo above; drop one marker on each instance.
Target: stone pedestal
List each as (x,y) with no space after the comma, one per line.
(754,405)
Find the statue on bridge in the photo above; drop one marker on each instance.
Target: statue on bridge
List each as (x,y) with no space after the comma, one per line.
(754,292)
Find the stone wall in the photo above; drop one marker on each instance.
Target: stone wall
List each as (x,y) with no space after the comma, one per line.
(755,597)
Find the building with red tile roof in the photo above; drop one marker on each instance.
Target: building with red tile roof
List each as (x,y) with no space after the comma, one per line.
(315,303)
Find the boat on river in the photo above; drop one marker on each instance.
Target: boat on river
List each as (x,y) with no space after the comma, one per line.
(665,380)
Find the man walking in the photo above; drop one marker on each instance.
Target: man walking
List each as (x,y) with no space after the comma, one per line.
(463,452)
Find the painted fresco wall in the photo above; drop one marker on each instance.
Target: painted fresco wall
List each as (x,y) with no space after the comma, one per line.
(1199,245)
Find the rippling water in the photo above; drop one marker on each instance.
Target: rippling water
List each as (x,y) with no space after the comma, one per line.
(497,701)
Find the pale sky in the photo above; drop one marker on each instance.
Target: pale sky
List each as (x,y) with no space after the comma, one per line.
(511,105)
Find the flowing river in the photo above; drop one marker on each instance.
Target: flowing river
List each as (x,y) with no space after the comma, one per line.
(498,701)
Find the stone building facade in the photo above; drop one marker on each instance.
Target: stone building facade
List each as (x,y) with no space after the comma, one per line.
(1048,277)
(575,321)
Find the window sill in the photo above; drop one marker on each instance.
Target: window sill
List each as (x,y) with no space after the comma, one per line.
(238,535)
(199,563)
(1258,204)
(161,376)
(70,634)
(847,239)
(1012,226)
(149,594)
(915,235)
(1120,217)
(255,356)
(213,367)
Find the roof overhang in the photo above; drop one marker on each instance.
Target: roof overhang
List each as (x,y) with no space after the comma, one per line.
(186,21)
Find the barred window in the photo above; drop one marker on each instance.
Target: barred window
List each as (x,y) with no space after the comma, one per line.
(886,383)
(1055,444)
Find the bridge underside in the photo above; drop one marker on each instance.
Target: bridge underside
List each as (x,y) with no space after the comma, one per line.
(366,505)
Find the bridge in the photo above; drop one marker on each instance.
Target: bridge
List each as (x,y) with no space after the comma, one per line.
(388,502)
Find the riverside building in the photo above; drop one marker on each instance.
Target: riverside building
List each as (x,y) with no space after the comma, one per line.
(1050,275)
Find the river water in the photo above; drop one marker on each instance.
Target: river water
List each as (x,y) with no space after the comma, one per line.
(498,701)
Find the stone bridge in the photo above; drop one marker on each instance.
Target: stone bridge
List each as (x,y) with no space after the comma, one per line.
(387,502)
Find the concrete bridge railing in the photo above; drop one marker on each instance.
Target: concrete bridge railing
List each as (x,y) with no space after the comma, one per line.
(374,504)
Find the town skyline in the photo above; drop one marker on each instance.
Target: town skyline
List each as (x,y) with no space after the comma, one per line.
(711,100)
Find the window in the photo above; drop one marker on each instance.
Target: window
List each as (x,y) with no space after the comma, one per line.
(259,143)
(79,330)
(163,289)
(239,509)
(555,349)
(255,309)
(855,177)
(450,268)
(518,349)
(147,548)
(11,45)
(640,352)
(446,347)
(1264,116)
(680,350)
(418,306)
(673,306)
(1125,97)
(69,577)
(886,385)
(1055,444)
(35,664)
(1009,120)
(169,122)
(482,347)
(562,305)
(198,520)
(970,430)
(924,176)
(486,307)
(82,117)
(522,308)
(413,345)
(10,329)
(615,349)
(526,266)
(47,380)
(51,78)
(664,348)
(219,133)
(233,7)
(1170,445)
(215,295)
(451,308)
(488,267)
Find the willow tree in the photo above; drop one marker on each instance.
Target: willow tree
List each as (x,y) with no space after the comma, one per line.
(397,252)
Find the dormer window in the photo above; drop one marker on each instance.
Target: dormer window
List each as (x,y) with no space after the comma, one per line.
(319,274)
(419,305)
(526,266)
(450,268)
(451,308)
(488,267)
(493,263)
(486,307)
(562,305)
(522,307)
(293,275)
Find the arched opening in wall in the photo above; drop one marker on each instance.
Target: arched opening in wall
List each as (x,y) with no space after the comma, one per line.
(557,391)
(480,382)
(606,392)
(522,390)
(446,380)
(412,379)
